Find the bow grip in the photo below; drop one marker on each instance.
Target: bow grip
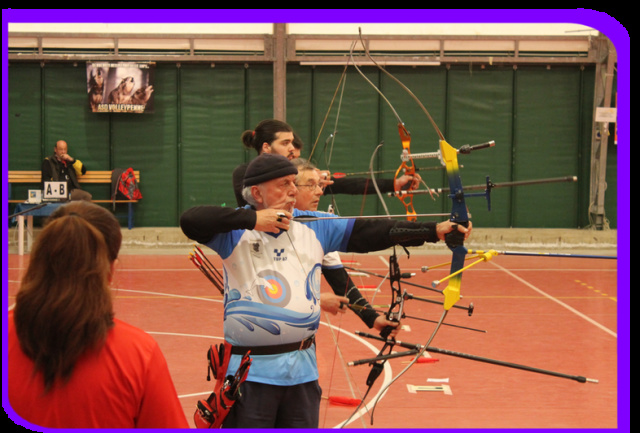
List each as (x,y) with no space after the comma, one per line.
(386,331)
(455,238)
(376,369)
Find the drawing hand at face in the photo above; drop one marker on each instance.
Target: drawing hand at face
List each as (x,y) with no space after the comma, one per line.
(272,220)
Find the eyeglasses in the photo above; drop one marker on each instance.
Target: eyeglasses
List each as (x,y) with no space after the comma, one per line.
(312,186)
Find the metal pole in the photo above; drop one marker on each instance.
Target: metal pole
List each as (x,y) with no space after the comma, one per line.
(280,72)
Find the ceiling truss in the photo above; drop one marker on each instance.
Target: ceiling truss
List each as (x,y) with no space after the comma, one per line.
(303,49)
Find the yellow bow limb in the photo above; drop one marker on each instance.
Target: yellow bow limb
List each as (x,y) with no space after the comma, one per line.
(452,293)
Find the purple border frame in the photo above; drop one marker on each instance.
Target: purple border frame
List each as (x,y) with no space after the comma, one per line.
(600,21)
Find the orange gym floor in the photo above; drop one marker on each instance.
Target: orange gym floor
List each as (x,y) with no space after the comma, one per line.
(554,314)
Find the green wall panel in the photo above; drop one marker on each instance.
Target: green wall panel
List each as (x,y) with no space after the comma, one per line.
(480,109)
(300,104)
(67,116)
(357,133)
(147,142)
(546,145)
(584,156)
(212,119)
(611,196)
(24,122)
(258,98)
(186,150)
(611,193)
(25,116)
(213,116)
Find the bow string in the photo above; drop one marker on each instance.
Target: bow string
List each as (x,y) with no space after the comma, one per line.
(448,156)
(459,215)
(407,166)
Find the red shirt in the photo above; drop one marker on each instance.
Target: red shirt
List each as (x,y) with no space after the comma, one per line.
(124,385)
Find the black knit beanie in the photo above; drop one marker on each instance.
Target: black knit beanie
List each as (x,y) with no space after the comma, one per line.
(268,166)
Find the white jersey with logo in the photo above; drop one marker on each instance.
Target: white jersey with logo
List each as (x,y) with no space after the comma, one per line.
(272,293)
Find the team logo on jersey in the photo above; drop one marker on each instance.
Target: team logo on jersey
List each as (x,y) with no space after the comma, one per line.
(279,255)
(256,249)
(272,288)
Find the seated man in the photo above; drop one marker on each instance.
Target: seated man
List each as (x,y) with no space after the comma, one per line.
(62,167)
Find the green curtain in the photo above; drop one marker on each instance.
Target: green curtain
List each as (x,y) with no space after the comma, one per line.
(538,116)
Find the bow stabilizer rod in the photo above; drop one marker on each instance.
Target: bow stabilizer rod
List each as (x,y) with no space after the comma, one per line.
(465,150)
(487,187)
(404,276)
(492,185)
(417,347)
(382,357)
(485,256)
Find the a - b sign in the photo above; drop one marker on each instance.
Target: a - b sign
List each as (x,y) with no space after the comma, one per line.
(55,191)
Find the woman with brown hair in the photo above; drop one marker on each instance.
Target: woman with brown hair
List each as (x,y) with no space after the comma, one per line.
(71,363)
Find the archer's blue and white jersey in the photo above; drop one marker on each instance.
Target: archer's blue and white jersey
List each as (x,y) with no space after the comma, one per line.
(272,292)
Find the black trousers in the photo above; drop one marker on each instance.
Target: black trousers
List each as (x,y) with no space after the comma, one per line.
(273,406)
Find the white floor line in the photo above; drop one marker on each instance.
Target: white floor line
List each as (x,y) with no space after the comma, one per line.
(386,378)
(573,310)
(181,334)
(169,295)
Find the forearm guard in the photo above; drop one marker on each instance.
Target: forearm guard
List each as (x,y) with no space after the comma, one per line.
(413,235)
(375,235)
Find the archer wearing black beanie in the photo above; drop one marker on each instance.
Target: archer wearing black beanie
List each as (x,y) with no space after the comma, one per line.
(266,167)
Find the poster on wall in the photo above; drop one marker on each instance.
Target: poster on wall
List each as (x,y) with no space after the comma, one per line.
(120,87)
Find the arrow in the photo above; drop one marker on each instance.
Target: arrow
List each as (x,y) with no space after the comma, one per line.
(304,218)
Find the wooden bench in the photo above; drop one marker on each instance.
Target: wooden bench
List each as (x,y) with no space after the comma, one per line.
(91,176)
